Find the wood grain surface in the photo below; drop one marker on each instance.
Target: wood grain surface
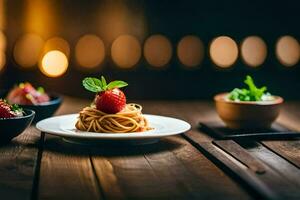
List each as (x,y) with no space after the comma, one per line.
(17,165)
(37,167)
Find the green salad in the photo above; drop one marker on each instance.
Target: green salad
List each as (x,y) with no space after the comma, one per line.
(252,93)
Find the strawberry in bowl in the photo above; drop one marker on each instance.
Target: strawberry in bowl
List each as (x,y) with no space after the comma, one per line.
(29,97)
(9,111)
(26,94)
(13,120)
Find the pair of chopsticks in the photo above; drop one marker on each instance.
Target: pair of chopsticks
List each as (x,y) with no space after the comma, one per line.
(254,135)
(253,170)
(248,176)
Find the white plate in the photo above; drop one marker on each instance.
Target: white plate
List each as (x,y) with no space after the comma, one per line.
(64,126)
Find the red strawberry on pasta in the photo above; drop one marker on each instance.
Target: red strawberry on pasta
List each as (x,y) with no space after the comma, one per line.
(109,99)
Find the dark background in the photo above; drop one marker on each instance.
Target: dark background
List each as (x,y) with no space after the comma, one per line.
(238,19)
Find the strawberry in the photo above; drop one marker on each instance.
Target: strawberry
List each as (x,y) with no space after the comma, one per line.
(109,99)
(9,111)
(17,95)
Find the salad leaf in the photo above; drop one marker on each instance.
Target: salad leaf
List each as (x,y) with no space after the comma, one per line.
(16,108)
(253,93)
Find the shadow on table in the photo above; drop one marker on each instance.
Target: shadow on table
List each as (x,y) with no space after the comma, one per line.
(109,148)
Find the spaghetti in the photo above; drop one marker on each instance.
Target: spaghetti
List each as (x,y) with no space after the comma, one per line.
(129,120)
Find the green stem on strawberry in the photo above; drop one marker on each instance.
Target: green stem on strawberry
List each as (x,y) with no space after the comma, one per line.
(99,85)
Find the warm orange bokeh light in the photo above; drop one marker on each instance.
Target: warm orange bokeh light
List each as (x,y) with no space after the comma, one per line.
(2,50)
(28,49)
(223,51)
(2,41)
(2,60)
(117,18)
(158,50)
(190,51)
(126,51)
(54,63)
(2,14)
(40,17)
(253,51)
(57,43)
(288,51)
(90,51)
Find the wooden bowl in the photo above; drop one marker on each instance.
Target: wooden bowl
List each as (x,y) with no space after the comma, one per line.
(247,114)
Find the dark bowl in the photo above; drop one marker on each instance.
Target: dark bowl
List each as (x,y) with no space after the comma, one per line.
(42,111)
(45,110)
(12,127)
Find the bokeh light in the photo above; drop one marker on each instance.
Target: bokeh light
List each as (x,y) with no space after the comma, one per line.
(253,51)
(223,51)
(117,18)
(2,50)
(90,51)
(2,60)
(28,49)
(40,17)
(2,41)
(54,63)
(190,51)
(57,43)
(3,13)
(158,50)
(288,51)
(126,51)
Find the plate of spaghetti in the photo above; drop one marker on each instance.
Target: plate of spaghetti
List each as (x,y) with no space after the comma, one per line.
(110,117)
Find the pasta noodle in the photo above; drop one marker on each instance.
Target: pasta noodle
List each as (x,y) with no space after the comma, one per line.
(127,121)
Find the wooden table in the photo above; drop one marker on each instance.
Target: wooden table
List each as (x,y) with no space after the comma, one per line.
(39,166)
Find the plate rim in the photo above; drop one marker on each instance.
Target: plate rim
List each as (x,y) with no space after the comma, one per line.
(114,136)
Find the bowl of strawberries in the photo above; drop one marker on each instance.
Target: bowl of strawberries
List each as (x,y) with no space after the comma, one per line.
(13,120)
(36,99)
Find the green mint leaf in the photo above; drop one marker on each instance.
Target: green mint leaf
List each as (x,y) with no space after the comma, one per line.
(98,85)
(116,84)
(104,84)
(92,84)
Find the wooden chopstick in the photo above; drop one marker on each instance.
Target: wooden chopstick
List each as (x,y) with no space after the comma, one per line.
(241,155)
(262,135)
(246,176)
